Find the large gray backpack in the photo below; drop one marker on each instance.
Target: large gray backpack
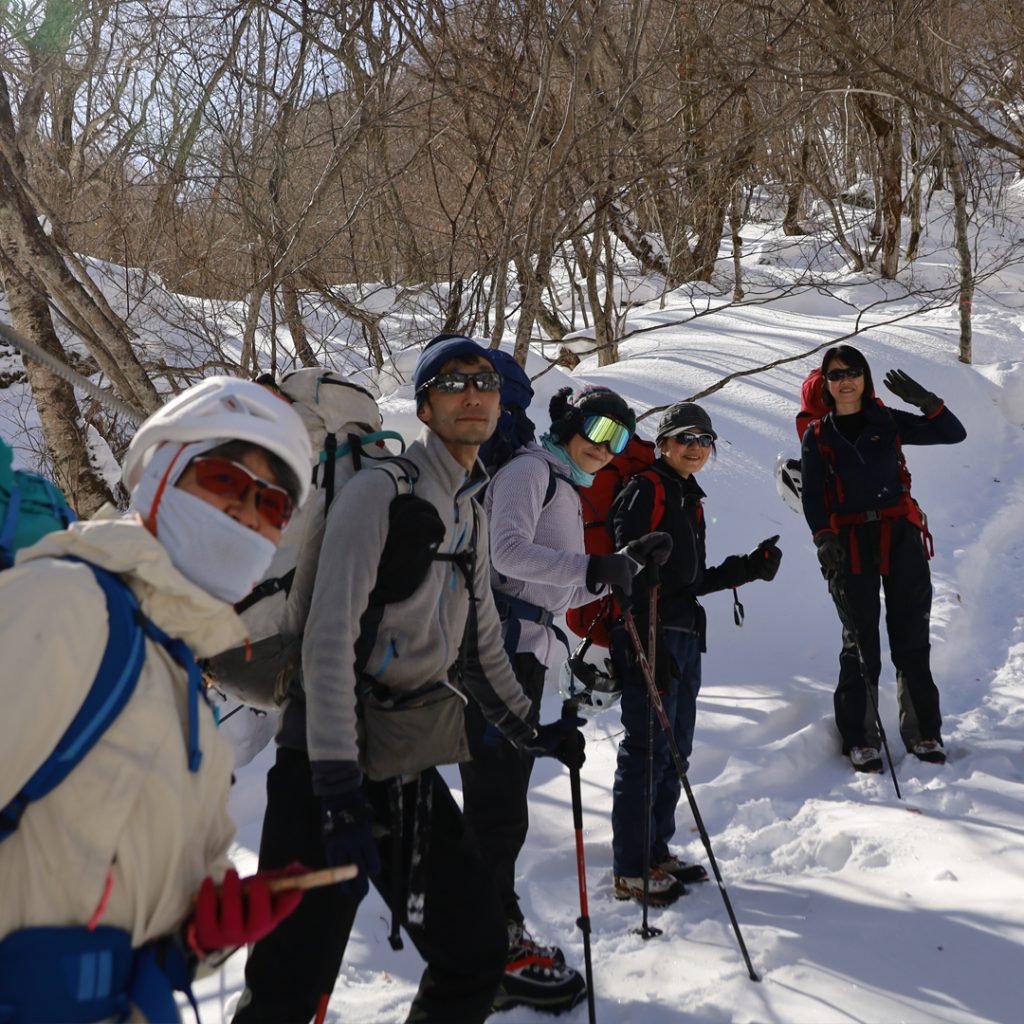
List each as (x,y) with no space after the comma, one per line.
(345,428)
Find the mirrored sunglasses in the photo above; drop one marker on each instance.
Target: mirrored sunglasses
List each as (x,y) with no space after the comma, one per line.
(231,480)
(841,373)
(704,440)
(605,430)
(455,381)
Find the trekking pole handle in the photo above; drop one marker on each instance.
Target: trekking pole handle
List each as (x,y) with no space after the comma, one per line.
(653,573)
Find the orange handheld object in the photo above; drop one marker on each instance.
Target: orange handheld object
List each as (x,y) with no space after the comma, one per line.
(313,879)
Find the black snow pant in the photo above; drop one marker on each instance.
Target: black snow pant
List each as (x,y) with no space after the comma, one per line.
(495,785)
(463,937)
(908,602)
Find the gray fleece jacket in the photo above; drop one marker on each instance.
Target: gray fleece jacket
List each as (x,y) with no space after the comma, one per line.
(537,550)
(417,639)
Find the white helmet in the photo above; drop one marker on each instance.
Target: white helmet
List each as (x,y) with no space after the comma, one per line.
(225,409)
(789,482)
(592,688)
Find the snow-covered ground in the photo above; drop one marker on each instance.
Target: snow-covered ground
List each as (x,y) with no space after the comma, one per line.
(854,905)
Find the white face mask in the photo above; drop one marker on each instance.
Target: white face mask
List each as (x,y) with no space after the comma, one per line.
(209,548)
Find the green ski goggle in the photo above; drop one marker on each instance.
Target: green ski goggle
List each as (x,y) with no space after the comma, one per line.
(605,430)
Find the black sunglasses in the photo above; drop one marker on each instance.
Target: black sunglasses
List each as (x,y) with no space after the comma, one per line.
(704,440)
(841,373)
(455,381)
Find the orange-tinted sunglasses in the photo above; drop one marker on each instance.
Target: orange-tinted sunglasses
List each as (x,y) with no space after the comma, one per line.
(228,479)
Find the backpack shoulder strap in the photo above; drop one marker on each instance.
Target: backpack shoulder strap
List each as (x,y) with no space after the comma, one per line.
(111,689)
(658,511)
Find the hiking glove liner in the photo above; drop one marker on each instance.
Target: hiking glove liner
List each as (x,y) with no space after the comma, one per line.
(239,911)
(763,562)
(904,386)
(348,839)
(561,739)
(831,555)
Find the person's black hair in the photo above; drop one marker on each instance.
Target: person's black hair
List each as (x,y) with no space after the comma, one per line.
(853,357)
(283,473)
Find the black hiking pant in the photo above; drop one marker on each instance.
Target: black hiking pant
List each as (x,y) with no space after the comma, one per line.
(495,785)
(463,937)
(908,603)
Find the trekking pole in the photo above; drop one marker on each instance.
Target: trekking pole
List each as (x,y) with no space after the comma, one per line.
(569,711)
(652,689)
(842,601)
(646,930)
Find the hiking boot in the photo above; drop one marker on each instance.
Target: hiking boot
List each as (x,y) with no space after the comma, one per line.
(681,871)
(865,759)
(662,889)
(521,944)
(930,751)
(536,979)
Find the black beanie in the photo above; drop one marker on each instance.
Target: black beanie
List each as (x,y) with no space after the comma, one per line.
(567,413)
(684,416)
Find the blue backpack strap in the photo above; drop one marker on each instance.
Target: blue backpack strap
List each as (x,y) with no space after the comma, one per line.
(8,527)
(111,690)
(113,686)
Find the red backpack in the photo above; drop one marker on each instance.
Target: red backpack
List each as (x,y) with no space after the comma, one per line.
(595,620)
(812,402)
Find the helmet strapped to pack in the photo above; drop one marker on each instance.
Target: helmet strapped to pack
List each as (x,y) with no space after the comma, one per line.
(789,482)
(230,410)
(592,688)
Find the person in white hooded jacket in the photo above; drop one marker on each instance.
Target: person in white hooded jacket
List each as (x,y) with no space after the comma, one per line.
(117,882)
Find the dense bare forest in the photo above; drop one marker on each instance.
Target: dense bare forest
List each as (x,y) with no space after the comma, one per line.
(294,157)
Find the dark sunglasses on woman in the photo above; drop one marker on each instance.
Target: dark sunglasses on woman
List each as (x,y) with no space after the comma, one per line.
(841,373)
(704,440)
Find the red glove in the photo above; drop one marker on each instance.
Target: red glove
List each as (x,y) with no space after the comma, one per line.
(239,911)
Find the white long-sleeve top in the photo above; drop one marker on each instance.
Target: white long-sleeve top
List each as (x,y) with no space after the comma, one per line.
(537,550)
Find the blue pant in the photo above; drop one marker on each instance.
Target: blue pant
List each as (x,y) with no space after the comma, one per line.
(680,702)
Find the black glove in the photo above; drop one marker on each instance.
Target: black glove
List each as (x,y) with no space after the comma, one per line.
(615,570)
(905,387)
(763,562)
(651,547)
(831,555)
(348,840)
(561,739)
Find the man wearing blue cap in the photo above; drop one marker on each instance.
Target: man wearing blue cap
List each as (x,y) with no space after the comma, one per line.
(403,584)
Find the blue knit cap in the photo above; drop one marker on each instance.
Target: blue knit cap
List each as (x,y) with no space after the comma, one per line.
(439,351)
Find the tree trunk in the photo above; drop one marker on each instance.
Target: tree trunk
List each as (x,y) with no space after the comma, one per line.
(963,244)
(64,431)
(737,245)
(296,327)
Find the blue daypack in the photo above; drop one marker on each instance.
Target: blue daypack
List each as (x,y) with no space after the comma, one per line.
(514,428)
(30,507)
(111,690)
